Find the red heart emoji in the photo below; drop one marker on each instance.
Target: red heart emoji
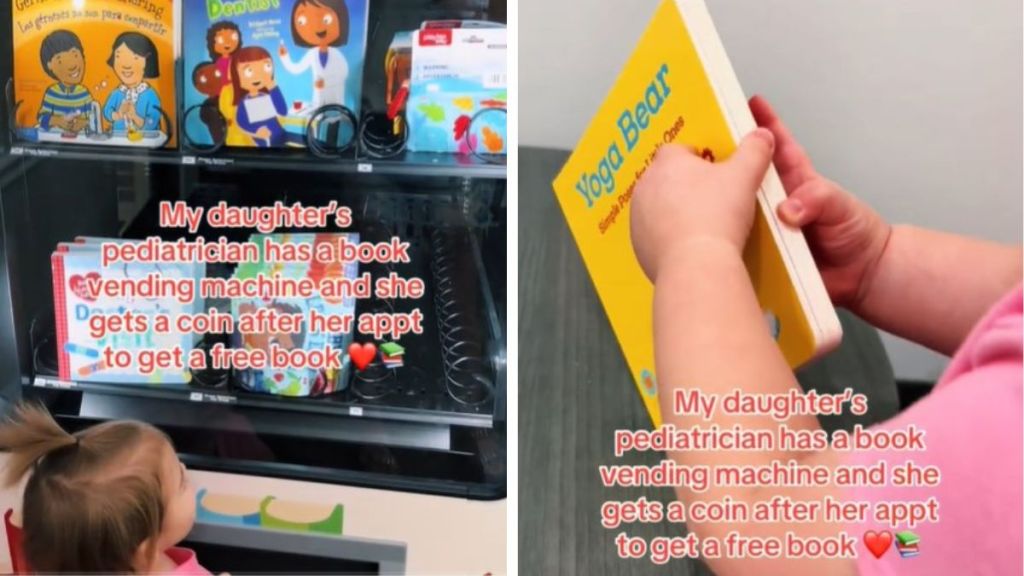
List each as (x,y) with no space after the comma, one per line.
(362,354)
(80,285)
(878,542)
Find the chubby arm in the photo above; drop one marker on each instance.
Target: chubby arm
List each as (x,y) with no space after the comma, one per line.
(932,287)
(926,286)
(710,334)
(689,221)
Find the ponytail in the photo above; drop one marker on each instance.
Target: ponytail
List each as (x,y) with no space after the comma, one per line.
(29,435)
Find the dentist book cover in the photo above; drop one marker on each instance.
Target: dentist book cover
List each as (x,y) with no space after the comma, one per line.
(678,86)
(257,71)
(77,273)
(98,72)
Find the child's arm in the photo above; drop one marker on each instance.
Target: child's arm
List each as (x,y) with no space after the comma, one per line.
(242,117)
(48,115)
(690,220)
(277,97)
(932,287)
(926,286)
(151,114)
(110,110)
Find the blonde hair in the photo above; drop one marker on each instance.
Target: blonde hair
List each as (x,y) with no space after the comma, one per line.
(92,498)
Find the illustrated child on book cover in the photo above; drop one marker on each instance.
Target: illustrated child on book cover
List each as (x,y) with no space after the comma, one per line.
(134,105)
(100,73)
(263,340)
(223,39)
(66,103)
(208,79)
(285,381)
(302,55)
(258,100)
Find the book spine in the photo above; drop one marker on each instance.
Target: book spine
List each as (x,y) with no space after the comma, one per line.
(60,315)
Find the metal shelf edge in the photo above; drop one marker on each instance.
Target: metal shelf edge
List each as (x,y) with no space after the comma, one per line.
(397,167)
(228,398)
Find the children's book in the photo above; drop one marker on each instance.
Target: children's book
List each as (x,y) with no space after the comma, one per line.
(98,72)
(296,381)
(458,88)
(256,72)
(76,269)
(197,269)
(678,86)
(907,544)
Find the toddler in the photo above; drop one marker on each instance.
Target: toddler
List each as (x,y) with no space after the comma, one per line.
(689,222)
(113,498)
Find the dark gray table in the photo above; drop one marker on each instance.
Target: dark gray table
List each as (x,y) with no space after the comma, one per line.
(575,391)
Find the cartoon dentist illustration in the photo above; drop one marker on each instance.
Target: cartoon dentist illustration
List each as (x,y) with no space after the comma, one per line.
(322,26)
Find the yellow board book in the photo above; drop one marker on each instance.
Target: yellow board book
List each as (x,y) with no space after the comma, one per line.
(99,72)
(678,86)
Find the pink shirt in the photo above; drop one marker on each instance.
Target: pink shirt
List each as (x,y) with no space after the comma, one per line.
(224,67)
(973,433)
(186,561)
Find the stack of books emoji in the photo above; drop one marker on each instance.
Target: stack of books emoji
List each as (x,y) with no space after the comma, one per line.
(906,544)
(391,354)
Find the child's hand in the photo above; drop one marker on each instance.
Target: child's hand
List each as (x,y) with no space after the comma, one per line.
(683,199)
(846,236)
(79,122)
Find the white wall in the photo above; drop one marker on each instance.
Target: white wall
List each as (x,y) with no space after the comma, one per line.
(914,105)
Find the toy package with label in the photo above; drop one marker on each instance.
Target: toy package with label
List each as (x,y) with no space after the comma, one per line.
(458,89)
(78,296)
(256,73)
(296,381)
(99,73)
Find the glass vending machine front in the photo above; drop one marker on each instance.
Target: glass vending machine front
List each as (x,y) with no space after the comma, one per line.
(91,154)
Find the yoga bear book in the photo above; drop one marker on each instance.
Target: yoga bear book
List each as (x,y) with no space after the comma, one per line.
(679,87)
(99,72)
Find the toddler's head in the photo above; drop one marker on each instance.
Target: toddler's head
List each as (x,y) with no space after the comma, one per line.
(110,498)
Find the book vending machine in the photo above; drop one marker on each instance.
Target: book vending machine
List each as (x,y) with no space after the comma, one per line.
(122,119)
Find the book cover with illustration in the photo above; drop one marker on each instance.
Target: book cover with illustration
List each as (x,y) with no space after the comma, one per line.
(98,72)
(196,269)
(458,91)
(296,381)
(678,86)
(256,72)
(76,268)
